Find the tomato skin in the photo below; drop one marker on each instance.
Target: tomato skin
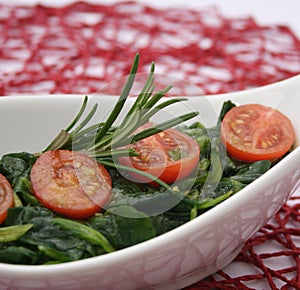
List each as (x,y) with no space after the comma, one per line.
(6,197)
(70,183)
(154,158)
(255,132)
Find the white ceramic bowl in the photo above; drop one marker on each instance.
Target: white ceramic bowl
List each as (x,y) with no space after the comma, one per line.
(184,255)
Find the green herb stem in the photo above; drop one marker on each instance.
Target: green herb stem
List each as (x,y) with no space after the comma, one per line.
(12,233)
(85,232)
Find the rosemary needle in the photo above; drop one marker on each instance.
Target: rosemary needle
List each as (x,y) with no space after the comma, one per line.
(103,140)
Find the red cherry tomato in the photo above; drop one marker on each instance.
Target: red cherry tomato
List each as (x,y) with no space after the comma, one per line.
(6,197)
(70,183)
(254,132)
(169,155)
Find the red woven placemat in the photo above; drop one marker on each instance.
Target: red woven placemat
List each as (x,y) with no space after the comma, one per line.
(271,258)
(81,47)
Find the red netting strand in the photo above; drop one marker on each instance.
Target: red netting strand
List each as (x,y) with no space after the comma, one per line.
(81,47)
(275,268)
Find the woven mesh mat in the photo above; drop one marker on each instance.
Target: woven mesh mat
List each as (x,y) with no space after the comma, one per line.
(81,47)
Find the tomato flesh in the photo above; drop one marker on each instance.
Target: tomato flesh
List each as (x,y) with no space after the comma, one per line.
(6,197)
(156,156)
(255,132)
(70,183)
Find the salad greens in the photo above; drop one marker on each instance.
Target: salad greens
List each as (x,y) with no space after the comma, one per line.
(35,235)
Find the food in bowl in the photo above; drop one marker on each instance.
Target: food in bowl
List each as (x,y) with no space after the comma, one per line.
(140,208)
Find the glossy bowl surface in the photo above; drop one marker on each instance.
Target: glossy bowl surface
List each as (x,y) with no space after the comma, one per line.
(179,257)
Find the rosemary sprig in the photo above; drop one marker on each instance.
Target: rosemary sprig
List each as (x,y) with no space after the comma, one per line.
(103,140)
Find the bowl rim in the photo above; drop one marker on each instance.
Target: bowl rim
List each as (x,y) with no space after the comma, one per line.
(226,206)
(135,250)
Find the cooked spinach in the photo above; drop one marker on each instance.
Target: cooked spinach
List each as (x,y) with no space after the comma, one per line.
(16,168)
(45,238)
(33,234)
(16,165)
(124,226)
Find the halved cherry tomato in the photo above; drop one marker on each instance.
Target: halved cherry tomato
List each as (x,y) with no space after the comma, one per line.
(254,132)
(169,155)
(70,183)
(6,197)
